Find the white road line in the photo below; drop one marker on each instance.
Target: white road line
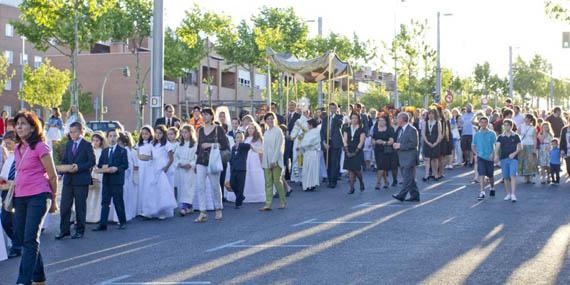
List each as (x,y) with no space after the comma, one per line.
(363,205)
(448,220)
(225,245)
(110,281)
(340,222)
(270,245)
(303,223)
(113,281)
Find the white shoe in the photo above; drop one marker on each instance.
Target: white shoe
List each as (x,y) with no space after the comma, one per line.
(513,198)
(508,197)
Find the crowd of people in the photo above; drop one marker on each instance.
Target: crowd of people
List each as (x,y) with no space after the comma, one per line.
(178,167)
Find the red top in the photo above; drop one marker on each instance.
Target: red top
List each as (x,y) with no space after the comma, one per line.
(2,127)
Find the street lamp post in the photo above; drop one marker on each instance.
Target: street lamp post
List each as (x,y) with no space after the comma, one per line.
(157,65)
(320,83)
(438,70)
(126,73)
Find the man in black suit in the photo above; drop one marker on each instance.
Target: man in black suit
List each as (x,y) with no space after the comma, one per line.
(332,147)
(78,153)
(112,164)
(280,118)
(238,164)
(169,119)
(290,119)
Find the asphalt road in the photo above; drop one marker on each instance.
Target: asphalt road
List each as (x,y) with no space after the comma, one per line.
(329,237)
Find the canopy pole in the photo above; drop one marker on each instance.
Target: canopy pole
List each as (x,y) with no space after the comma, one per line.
(287,80)
(348,94)
(268,93)
(296,90)
(329,111)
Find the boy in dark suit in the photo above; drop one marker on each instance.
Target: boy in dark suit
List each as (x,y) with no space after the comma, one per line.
(238,164)
(113,163)
(80,155)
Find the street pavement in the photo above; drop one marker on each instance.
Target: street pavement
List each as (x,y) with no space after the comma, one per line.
(329,237)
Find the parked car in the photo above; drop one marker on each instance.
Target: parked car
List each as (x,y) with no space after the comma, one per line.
(104,126)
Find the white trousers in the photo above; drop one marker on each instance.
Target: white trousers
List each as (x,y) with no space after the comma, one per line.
(201,191)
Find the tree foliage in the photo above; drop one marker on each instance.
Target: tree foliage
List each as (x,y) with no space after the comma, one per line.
(68,26)
(352,50)
(44,86)
(85,102)
(4,74)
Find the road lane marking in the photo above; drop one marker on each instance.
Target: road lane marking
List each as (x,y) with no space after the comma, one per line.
(363,205)
(303,223)
(110,281)
(113,281)
(100,251)
(225,245)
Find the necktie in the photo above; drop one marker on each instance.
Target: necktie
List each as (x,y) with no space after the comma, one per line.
(168,122)
(111,153)
(12,172)
(74,150)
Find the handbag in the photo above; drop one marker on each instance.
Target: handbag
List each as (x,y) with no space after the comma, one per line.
(225,154)
(215,165)
(8,202)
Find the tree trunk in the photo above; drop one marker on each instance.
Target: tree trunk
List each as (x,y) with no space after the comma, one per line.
(74,58)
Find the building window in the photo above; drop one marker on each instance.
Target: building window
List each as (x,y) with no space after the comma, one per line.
(25,57)
(9,56)
(8,85)
(37,61)
(9,30)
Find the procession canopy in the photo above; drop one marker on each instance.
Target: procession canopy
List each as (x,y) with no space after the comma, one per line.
(311,70)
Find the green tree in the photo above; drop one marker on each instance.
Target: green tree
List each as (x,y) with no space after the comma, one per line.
(85,102)
(130,21)
(68,26)
(280,29)
(376,97)
(202,28)
(352,50)
(240,48)
(530,79)
(44,86)
(4,74)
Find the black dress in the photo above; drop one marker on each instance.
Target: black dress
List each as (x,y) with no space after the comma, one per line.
(446,145)
(353,163)
(431,136)
(386,157)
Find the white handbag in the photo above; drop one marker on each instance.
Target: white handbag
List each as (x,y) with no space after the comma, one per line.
(215,165)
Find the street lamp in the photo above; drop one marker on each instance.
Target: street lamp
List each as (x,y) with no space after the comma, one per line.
(438,86)
(126,73)
(320,84)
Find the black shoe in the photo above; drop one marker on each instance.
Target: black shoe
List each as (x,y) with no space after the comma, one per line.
(362,188)
(425,179)
(224,200)
(395,183)
(276,195)
(332,185)
(100,228)
(77,236)
(385,187)
(397,198)
(62,236)
(14,253)
(288,193)
(351,191)
(413,200)
(492,193)
(122,226)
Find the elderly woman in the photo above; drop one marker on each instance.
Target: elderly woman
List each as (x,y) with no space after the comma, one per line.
(528,158)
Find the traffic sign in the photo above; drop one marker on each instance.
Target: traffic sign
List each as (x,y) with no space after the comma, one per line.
(155,102)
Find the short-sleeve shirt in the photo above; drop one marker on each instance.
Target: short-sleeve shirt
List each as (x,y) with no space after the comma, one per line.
(31,177)
(484,142)
(466,119)
(508,145)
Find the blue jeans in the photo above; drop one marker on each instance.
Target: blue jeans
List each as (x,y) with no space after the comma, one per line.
(30,214)
(509,168)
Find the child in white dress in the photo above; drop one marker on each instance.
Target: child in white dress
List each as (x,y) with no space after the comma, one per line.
(163,202)
(171,145)
(94,197)
(185,165)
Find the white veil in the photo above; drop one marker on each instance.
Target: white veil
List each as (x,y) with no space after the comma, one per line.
(226,111)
